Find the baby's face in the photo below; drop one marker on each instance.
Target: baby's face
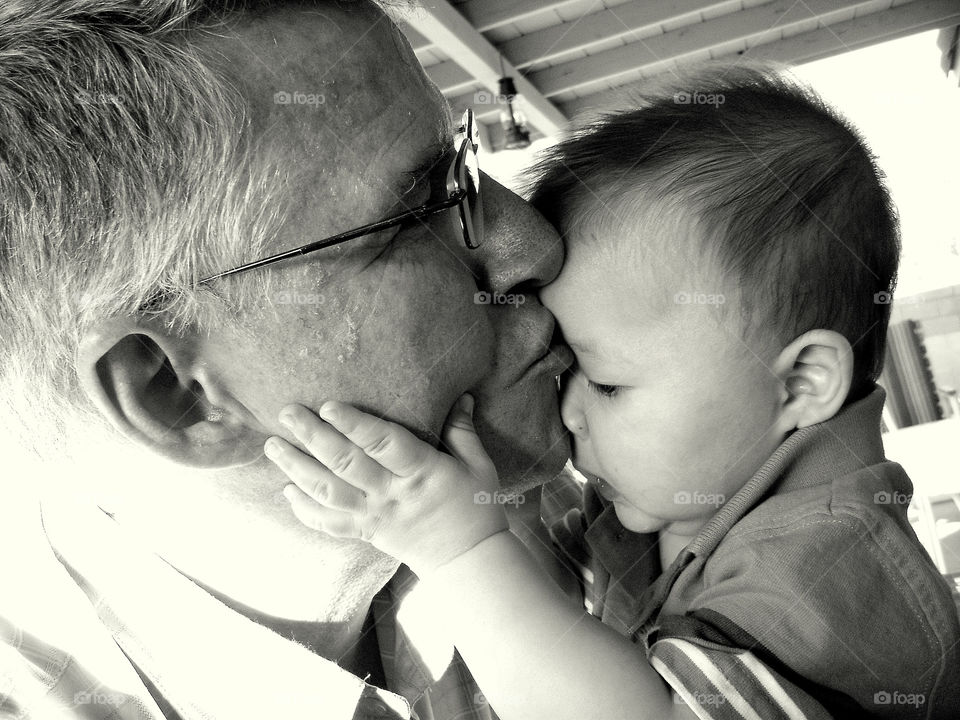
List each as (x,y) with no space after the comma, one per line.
(667,405)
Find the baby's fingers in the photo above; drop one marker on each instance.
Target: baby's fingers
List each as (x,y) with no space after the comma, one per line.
(333,522)
(394,447)
(315,480)
(339,454)
(461,439)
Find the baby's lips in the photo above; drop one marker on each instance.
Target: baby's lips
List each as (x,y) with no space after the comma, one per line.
(605,489)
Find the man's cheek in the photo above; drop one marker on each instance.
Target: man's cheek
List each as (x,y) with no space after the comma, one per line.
(424,344)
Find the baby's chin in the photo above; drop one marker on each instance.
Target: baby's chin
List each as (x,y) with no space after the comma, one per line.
(636,520)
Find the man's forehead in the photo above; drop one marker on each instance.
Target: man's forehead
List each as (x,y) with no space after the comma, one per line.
(337,87)
(334,64)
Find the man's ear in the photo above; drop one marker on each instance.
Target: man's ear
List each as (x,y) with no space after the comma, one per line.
(156,391)
(816,371)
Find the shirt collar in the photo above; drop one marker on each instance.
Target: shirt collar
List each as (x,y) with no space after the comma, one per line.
(186,641)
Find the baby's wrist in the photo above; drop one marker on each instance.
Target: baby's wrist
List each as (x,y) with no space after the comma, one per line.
(461,549)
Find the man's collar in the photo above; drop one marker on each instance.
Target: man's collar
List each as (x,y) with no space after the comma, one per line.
(194,648)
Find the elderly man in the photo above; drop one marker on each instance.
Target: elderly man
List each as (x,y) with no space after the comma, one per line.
(146,147)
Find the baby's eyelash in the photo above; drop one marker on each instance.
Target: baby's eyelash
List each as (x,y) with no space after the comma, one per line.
(602,390)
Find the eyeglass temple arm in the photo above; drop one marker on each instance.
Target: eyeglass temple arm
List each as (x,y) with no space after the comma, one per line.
(417,213)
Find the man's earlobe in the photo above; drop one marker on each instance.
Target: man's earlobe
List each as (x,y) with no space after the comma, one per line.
(816,370)
(152,388)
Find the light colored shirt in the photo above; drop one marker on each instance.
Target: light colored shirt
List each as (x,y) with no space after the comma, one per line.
(106,610)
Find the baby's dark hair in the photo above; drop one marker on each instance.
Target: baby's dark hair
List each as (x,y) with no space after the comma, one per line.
(789,198)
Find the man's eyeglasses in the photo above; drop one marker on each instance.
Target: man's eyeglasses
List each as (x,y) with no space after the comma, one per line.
(463,191)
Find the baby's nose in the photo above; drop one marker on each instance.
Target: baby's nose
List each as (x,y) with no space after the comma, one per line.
(571,405)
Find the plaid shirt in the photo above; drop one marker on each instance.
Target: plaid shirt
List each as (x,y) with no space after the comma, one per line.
(806,596)
(102,637)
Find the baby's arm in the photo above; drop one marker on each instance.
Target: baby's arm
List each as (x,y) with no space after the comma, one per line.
(533,652)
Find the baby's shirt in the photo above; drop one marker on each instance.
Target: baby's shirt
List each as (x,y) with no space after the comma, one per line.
(808,595)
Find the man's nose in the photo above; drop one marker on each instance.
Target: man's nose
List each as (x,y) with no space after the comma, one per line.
(519,247)
(571,404)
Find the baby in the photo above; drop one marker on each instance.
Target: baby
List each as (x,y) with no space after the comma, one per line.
(731,251)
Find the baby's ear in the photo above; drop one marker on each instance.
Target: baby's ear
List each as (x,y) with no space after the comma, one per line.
(816,370)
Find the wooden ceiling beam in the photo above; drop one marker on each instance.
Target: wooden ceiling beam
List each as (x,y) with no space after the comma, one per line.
(621,21)
(452,33)
(900,21)
(684,42)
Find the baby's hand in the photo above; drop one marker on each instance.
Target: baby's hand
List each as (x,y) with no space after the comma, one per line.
(373,479)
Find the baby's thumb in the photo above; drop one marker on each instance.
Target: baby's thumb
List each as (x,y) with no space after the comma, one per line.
(461,439)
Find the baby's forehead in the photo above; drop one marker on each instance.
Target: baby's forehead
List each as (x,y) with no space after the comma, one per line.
(657,240)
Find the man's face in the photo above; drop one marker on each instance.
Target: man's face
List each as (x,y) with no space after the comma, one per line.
(388,322)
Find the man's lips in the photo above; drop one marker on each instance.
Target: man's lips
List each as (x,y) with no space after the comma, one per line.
(554,361)
(557,357)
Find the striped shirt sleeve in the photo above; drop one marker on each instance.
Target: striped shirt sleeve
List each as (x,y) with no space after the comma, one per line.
(729,684)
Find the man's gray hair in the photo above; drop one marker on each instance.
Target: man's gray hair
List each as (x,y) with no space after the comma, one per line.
(126,168)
